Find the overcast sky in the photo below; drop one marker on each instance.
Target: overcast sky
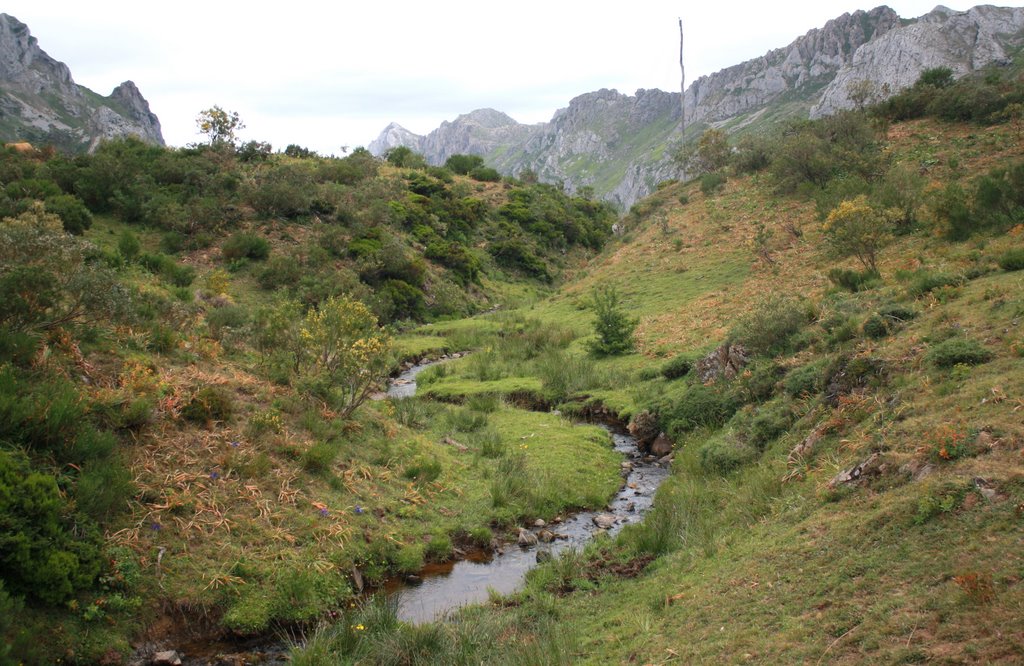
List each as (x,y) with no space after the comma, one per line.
(330,76)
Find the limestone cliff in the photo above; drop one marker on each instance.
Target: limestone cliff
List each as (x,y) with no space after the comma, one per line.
(41,103)
(961,41)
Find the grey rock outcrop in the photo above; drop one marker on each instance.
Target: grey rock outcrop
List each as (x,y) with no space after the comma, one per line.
(40,102)
(804,66)
(962,41)
(620,145)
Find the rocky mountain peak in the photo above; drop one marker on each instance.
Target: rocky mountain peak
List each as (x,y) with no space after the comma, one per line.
(40,102)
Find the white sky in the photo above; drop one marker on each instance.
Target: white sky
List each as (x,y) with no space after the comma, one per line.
(330,76)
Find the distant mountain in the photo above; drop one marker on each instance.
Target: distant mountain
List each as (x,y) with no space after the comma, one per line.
(40,103)
(620,145)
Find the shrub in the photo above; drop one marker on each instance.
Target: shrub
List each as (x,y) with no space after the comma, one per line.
(340,345)
(280,272)
(766,424)
(855,228)
(712,182)
(771,324)
(722,455)
(128,245)
(44,553)
(210,403)
(463,164)
(925,281)
(679,366)
(485,174)
(614,328)
(806,380)
(75,217)
(875,327)
(232,317)
(958,351)
(1012,260)
(700,406)
(244,245)
(167,268)
(854,281)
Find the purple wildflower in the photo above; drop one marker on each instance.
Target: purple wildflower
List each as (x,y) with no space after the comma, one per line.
(323,512)
(234,445)
(155,527)
(358,510)
(214,475)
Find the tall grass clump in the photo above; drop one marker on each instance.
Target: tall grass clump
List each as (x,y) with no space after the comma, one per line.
(563,375)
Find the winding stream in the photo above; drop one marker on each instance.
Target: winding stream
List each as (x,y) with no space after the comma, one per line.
(446,587)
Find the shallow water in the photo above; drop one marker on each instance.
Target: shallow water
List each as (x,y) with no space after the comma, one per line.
(448,586)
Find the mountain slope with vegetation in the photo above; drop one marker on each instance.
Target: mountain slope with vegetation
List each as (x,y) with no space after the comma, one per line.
(837,355)
(825,325)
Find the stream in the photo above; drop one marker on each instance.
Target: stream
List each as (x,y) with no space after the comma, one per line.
(442,588)
(439,589)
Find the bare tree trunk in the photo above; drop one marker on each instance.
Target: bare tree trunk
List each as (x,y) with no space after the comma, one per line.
(682,83)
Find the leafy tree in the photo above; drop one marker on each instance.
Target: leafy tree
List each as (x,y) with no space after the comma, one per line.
(855,228)
(403,156)
(342,346)
(614,328)
(463,164)
(219,125)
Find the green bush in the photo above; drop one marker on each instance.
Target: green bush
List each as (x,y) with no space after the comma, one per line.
(677,367)
(210,403)
(45,553)
(854,281)
(722,455)
(712,182)
(463,164)
(167,268)
(1012,260)
(700,406)
(128,245)
(958,351)
(485,174)
(770,325)
(806,380)
(875,327)
(233,317)
(71,211)
(243,245)
(760,427)
(281,272)
(924,281)
(319,457)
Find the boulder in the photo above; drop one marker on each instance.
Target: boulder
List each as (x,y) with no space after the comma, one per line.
(661,446)
(546,536)
(539,523)
(166,658)
(526,538)
(726,362)
(873,466)
(543,556)
(604,521)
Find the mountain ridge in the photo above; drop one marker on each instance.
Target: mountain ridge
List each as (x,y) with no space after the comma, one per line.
(41,103)
(584,145)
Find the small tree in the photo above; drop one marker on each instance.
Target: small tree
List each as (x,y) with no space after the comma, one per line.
(614,328)
(219,125)
(343,347)
(855,228)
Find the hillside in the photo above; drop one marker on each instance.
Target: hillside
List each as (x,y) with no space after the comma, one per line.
(41,104)
(194,455)
(621,145)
